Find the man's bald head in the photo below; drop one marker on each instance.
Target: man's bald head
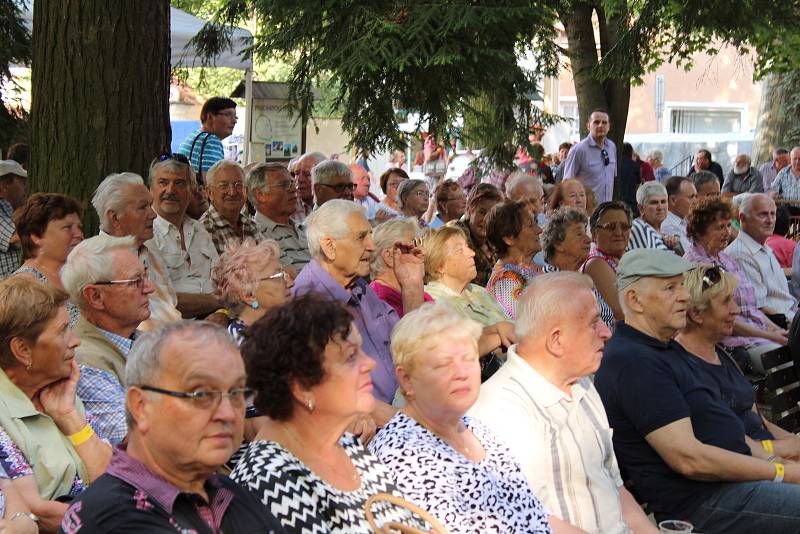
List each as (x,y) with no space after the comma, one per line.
(361,180)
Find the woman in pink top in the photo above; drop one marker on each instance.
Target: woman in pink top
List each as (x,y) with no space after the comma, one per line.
(782,247)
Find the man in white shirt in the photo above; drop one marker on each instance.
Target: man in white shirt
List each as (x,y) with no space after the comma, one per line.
(543,405)
(757,218)
(681,196)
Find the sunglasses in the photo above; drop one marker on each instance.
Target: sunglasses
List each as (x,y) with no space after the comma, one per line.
(180,158)
(712,277)
(606,159)
(612,226)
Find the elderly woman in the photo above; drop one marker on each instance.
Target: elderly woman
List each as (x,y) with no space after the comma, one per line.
(651,197)
(49,226)
(709,320)
(610,225)
(15,515)
(249,281)
(451,201)
(387,236)
(655,159)
(51,452)
(449,268)
(390,180)
(311,378)
(566,247)
(708,227)
(444,461)
(482,198)
(514,234)
(570,193)
(414,199)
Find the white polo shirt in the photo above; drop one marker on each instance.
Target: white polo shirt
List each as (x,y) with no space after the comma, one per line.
(563,443)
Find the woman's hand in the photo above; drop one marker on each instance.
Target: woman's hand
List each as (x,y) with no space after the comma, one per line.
(505,330)
(364,428)
(409,267)
(20,525)
(58,401)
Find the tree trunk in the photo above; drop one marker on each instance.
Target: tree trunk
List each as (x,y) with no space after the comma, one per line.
(775,119)
(100,92)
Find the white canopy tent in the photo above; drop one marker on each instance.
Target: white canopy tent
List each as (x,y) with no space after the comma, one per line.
(183,27)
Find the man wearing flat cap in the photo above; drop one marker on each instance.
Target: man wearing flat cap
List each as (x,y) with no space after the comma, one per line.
(13,191)
(676,437)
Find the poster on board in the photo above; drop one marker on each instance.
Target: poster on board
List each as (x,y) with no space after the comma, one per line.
(277,135)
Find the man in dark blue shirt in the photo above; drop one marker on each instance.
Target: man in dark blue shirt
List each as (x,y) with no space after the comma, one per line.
(675,438)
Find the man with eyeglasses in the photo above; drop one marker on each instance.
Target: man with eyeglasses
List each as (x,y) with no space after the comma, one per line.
(185,409)
(203,147)
(224,220)
(681,196)
(274,194)
(331,179)
(594,159)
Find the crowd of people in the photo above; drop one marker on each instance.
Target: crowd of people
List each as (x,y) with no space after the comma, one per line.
(266,348)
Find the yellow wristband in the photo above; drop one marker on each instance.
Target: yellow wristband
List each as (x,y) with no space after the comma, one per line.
(767,444)
(223,311)
(779,472)
(81,437)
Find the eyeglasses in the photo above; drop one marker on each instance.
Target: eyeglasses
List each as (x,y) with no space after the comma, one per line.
(280,274)
(180,158)
(286,185)
(225,186)
(606,159)
(612,226)
(137,282)
(206,399)
(228,114)
(712,277)
(341,188)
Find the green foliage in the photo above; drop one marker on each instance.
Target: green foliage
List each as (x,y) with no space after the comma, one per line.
(15,48)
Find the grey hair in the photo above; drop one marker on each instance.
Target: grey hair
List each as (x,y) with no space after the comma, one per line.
(656,155)
(318,157)
(649,189)
(330,220)
(738,200)
(519,178)
(171,165)
(555,231)
(89,262)
(702,178)
(406,187)
(143,366)
(220,166)
(109,195)
(385,235)
(257,177)
(326,171)
(746,203)
(547,300)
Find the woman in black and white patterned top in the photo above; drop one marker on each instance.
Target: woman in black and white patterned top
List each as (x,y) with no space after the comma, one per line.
(445,462)
(312,379)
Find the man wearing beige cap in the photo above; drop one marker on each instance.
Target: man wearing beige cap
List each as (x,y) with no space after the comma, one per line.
(13,191)
(676,436)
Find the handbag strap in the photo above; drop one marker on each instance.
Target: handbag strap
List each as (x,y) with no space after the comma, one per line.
(390,526)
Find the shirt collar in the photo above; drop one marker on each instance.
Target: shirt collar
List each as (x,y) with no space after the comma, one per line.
(321,280)
(751,244)
(538,387)
(624,330)
(674,219)
(161,226)
(16,402)
(124,344)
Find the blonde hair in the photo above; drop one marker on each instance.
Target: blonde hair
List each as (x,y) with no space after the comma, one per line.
(699,299)
(418,331)
(434,247)
(237,271)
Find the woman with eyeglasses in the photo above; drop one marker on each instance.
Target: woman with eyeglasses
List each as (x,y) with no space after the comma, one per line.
(390,182)
(710,319)
(311,379)
(52,451)
(708,227)
(414,200)
(610,225)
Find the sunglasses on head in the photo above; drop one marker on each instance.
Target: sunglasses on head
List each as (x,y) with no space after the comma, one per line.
(180,158)
(712,276)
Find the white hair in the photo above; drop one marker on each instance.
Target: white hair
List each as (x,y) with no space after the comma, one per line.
(656,155)
(220,166)
(318,157)
(385,235)
(327,171)
(330,220)
(110,195)
(649,189)
(90,262)
(547,300)
(746,203)
(519,178)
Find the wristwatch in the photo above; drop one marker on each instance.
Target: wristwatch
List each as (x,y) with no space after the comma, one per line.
(29,515)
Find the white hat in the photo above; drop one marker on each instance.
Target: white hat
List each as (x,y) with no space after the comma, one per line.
(9,166)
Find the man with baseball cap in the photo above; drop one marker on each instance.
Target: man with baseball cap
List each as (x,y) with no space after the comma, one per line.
(13,192)
(676,437)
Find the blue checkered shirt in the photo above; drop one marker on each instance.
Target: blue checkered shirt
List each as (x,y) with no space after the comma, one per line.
(10,255)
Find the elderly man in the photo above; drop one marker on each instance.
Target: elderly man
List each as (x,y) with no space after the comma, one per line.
(224,220)
(706,184)
(787,183)
(595,158)
(13,192)
(656,160)
(185,410)
(703,162)
(545,385)
(274,194)
(332,179)
(743,178)
(124,207)
(362,195)
(770,169)
(340,242)
(451,201)
(749,249)
(302,170)
(523,187)
(677,439)
(182,242)
(681,196)
(106,279)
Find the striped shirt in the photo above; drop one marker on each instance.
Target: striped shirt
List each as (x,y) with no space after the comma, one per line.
(563,443)
(644,236)
(291,239)
(205,142)
(606,313)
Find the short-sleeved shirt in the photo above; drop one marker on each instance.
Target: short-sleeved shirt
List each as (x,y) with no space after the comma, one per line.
(674,225)
(222,232)
(586,161)
(506,284)
(291,239)
(372,316)
(768,173)
(466,497)
(561,441)
(749,182)
(643,235)
(129,498)
(206,143)
(646,384)
(786,184)
(189,268)
(10,255)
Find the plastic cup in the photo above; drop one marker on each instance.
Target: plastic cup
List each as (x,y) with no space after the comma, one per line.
(672,526)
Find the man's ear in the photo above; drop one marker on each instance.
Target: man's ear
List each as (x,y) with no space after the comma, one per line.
(328,246)
(93,297)
(554,342)
(137,404)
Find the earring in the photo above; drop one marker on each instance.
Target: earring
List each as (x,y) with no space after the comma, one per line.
(310,404)
(254,305)
(29,366)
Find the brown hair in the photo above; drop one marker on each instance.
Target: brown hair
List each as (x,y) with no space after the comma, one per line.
(33,217)
(704,214)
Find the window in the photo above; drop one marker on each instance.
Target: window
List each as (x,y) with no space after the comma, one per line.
(705,120)
(570,110)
